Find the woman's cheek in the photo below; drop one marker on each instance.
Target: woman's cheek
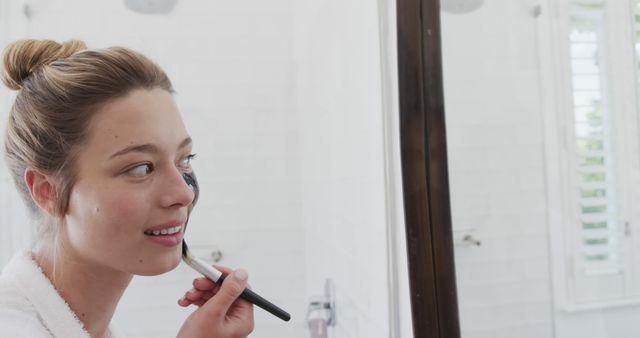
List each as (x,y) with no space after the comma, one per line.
(125,209)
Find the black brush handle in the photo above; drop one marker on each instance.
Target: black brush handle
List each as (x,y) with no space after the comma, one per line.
(256,299)
(247,294)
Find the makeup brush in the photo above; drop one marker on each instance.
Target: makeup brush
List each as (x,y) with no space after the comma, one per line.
(215,275)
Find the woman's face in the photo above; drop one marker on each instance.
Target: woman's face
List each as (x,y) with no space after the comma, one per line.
(129,185)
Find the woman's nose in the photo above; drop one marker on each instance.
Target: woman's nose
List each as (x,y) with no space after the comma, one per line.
(176,191)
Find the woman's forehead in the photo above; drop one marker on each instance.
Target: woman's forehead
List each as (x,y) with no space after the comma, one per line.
(142,117)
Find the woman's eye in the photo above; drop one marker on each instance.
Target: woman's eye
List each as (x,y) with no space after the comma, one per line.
(141,170)
(186,162)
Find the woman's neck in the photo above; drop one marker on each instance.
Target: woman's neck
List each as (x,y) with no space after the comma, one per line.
(92,291)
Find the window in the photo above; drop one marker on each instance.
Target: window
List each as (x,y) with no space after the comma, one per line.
(598,246)
(598,135)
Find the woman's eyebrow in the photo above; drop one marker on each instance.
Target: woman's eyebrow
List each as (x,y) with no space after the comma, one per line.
(142,148)
(185,142)
(147,148)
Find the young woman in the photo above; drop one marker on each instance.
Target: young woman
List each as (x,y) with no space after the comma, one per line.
(97,148)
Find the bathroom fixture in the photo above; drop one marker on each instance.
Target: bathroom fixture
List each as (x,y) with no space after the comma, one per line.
(321,311)
(460,6)
(470,240)
(151,6)
(209,253)
(465,238)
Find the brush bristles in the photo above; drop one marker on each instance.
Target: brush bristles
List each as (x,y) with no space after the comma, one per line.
(186,255)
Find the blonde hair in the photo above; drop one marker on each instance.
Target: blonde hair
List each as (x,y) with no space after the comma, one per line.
(60,87)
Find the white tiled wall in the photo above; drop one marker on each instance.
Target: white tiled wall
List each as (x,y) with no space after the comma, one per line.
(494,110)
(496,164)
(282,99)
(14,223)
(342,160)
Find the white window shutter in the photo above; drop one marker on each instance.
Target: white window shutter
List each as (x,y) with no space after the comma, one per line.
(598,270)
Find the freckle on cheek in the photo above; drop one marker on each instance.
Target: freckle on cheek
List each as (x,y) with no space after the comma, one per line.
(140,261)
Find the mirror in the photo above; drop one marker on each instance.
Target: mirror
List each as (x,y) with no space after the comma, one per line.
(291,108)
(541,101)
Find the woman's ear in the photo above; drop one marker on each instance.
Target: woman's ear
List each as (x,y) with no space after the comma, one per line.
(42,189)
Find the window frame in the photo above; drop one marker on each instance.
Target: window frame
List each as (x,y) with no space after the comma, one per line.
(558,117)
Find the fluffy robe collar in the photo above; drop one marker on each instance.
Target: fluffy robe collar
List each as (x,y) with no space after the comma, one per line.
(54,312)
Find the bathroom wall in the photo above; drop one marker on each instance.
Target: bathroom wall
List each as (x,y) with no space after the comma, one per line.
(498,94)
(284,102)
(342,158)
(496,165)
(14,223)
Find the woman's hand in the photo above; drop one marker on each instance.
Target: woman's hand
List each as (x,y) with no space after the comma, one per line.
(220,313)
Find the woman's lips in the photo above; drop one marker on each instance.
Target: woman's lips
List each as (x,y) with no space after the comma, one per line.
(166,234)
(167,240)
(166,225)
(163,231)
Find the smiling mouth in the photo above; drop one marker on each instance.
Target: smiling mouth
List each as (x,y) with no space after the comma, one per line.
(164,232)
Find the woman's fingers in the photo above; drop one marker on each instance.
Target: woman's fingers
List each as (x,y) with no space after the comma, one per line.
(204,284)
(223,269)
(194,294)
(220,313)
(233,285)
(184,302)
(203,289)
(228,294)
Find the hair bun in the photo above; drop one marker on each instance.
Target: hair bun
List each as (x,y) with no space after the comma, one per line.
(23,57)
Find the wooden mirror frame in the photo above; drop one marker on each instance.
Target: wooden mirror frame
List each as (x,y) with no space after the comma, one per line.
(425,181)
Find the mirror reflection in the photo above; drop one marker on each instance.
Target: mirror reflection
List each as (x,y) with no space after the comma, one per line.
(542,122)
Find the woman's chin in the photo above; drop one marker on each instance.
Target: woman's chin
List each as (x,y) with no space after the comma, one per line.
(157,265)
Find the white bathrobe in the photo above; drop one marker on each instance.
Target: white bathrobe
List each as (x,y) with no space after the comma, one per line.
(31,307)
